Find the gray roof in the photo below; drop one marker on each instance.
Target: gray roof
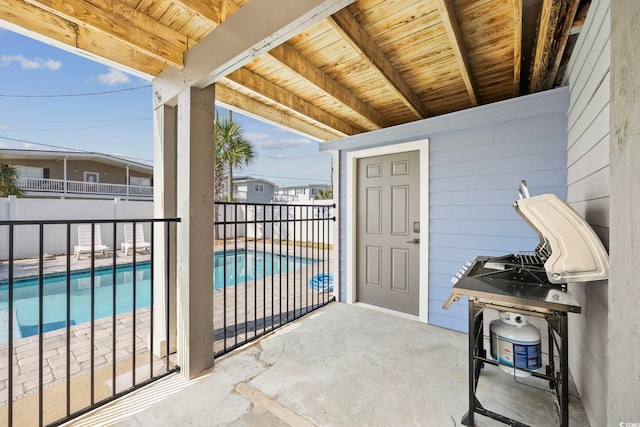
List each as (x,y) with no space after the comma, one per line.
(16,154)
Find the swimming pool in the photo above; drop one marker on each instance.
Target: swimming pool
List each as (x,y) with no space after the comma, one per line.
(240,266)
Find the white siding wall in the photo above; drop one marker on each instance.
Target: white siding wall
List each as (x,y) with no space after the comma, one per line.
(477,159)
(588,193)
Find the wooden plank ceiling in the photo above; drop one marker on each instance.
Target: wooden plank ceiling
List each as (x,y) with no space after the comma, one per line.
(374,64)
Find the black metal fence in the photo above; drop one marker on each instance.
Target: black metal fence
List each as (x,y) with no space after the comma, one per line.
(77,327)
(271,267)
(79,306)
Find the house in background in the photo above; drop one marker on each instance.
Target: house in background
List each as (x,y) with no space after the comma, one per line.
(71,174)
(299,193)
(257,190)
(249,189)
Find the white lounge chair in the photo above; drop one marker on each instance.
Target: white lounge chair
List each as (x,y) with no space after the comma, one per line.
(84,241)
(127,245)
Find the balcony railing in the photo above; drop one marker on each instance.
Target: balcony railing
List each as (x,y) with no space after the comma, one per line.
(239,196)
(80,333)
(76,334)
(60,186)
(271,267)
(283,198)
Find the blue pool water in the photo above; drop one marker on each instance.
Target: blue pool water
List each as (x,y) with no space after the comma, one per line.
(240,266)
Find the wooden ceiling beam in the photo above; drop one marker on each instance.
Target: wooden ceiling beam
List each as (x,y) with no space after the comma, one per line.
(203,8)
(296,105)
(517,45)
(567,16)
(258,84)
(49,28)
(213,11)
(453,31)
(549,15)
(297,63)
(123,23)
(120,54)
(256,108)
(224,9)
(38,21)
(577,25)
(248,33)
(304,68)
(348,26)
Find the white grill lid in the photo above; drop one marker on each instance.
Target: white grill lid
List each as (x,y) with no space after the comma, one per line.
(573,252)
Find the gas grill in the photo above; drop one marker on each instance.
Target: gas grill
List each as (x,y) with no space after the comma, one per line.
(531,284)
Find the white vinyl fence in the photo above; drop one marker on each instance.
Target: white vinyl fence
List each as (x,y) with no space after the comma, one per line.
(306,223)
(26,236)
(26,239)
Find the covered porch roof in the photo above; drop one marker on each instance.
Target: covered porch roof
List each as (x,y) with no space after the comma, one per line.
(318,67)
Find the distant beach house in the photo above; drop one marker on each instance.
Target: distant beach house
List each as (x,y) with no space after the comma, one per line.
(73,174)
(250,189)
(299,193)
(257,190)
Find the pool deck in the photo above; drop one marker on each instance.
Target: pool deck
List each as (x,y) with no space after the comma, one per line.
(54,345)
(240,313)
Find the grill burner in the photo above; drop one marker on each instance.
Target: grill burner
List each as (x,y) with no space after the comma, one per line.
(569,250)
(511,268)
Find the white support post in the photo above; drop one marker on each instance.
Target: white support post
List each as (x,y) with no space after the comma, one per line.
(128,180)
(164,206)
(622,383)
(335,254)
(65,176)
(195,169)
(13,208)
(116,209)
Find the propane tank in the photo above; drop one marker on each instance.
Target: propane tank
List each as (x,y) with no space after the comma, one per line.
(514,342)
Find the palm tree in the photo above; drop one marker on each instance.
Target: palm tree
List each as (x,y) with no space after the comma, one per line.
(9,181)
(232,151)
(326,194)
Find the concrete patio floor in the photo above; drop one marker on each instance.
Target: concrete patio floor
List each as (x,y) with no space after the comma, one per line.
(343,365)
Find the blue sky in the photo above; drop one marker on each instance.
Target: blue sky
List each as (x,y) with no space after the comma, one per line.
(118,123)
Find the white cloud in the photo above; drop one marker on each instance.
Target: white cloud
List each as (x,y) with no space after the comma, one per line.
(285,155)
(30,64)
(4,127)
(113,77)
(256,136)
(21,145)
(50,64)
(283,144)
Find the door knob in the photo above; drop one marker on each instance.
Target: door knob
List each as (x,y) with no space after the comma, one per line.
(414,241)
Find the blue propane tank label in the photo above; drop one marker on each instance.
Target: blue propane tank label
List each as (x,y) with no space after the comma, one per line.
(527,356)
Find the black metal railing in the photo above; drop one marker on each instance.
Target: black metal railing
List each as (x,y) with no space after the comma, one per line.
(78,333)
(271,267)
